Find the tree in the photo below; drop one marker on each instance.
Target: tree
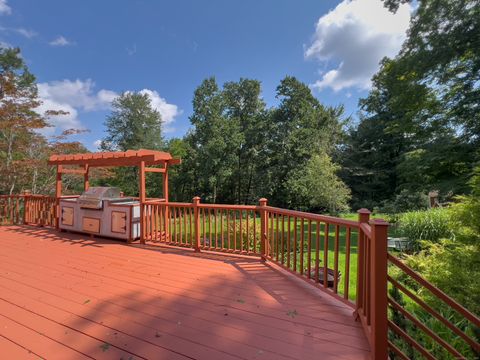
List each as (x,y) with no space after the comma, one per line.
(133,124)
(443,48)
(316,186)
(298,129)
(419,125)
(18,119)
(213,142)
(245,108)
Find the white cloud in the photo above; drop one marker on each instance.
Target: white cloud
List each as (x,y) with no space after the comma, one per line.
(71,96)
(356,35)
(78,95)
(97,144)
(25,32)
(60,41)
(168,111)
(4,8)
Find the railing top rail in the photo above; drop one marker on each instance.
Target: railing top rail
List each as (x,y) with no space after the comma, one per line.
(367,229)
(434,290)
(228,207)
(316,217)
(154,201)
(172,204)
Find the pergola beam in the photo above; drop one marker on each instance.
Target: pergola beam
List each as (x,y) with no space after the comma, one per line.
(155,170)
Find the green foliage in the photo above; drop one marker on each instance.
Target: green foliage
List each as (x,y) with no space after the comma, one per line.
(452,266)
(317,186)
(431,225)
(419,127)
(405,201)
(450,260)
(238,151)
(23,150)
(133,124)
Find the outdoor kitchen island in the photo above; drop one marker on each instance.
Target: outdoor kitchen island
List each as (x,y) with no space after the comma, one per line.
(101,211)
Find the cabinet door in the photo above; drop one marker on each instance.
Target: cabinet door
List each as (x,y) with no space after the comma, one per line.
(91,225)
(67,215)
(119,222)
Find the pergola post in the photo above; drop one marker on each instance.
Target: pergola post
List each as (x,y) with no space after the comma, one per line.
(58,195)
(165,183)
(165,196)
(86,180)
(142,199)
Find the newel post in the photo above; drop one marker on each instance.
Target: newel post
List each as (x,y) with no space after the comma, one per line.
(196,215)
(363,218)
(263,229)
(378,281)
(26,206)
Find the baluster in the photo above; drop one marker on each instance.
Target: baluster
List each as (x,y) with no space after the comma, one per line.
(325,255)
(335,261)
(347,263)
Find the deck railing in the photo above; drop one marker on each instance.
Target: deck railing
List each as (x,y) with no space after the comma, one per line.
(346,259)
(28,209)
(11,209)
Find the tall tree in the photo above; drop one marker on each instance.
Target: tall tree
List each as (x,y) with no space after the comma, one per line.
(419,124)
(133,124)
(18,119)
(238,151)
(299,128)
(213,142)
(246,110)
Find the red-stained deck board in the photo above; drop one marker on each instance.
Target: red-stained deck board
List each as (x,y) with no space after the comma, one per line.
(66,296)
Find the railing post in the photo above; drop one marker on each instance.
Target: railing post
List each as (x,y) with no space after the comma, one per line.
(196,215)
(26,194)
(263,229)
(363,217)
(378,288)
(26,207)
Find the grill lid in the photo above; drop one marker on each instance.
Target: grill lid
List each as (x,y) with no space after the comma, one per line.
(94,196)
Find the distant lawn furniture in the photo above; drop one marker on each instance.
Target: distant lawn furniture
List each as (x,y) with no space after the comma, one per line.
(399,244)
(330,276)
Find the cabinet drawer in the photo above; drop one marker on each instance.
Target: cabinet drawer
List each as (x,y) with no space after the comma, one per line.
(119,222)
(91,225)
(67,215)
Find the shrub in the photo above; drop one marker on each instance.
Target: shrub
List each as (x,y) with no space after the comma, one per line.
(405,201)
(429,225)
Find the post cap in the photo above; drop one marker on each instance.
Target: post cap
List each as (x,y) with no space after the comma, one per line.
(364,211)
(196,199)
(263,202)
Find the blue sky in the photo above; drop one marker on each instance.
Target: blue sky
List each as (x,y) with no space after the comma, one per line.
(84,53)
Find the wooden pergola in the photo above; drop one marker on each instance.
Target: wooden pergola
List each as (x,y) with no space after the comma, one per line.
(144,159)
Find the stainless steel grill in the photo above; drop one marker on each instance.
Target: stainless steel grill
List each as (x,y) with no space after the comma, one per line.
(94,197)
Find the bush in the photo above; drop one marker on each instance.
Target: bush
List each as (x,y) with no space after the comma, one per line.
(431,225)
(405,201)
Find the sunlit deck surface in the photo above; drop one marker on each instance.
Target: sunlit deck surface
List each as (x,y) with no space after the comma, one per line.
(67,296)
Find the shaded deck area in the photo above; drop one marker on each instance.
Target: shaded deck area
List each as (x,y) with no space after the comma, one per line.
(67,296)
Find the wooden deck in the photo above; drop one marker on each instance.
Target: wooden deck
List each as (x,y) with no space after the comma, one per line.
(66,296)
